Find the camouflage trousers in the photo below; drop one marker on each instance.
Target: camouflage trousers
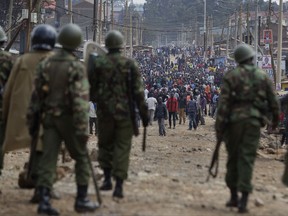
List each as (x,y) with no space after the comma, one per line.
(241,139)
(114,142)
(57,129)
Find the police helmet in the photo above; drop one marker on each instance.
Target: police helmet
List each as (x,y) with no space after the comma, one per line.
(70,36)
(243,52)
(43,37)
(114,40)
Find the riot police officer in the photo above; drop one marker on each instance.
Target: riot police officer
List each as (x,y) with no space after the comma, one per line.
(247,96)
(61,90)
(18,92)
(116,85)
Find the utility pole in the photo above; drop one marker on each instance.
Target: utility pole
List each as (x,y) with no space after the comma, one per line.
(28,28)
(125,27)
(228,37)
(10,19)
(248,24)
(70,11)
(131,32)
(100,23)
(204,29)
(236,29)
(256,34)
(270,45)
(95,19)
(279,49)
(104,15)
(196,33)
(112,13)
(212,37)
(240,25)
(137,31)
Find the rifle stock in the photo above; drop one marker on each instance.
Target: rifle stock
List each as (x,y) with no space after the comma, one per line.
(34,132)
(97,191)
(214,161)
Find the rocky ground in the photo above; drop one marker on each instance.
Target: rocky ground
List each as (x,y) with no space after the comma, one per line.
(168,179)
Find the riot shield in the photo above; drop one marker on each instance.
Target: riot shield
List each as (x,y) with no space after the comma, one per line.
(92,47)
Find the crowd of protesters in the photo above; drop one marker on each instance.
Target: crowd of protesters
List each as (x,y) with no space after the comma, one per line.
(181,79)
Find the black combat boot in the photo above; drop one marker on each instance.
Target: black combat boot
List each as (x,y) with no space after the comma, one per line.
(82,203)
(118,191)
(233,202)
(242,207)
(36,196)
(44,206)
(107,183)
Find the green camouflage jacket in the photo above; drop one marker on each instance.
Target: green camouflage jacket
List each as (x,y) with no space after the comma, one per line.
(246,92)
(62,88)
(5,69)
(109,85)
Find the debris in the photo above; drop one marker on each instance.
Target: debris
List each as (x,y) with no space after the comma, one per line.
(258,202)
(175,180)
(94,155)
(147,171)
(270,151)
(60,173)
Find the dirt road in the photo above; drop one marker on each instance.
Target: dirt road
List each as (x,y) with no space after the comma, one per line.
(168,179)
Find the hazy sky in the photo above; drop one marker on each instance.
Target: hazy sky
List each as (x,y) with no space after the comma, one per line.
(143,1)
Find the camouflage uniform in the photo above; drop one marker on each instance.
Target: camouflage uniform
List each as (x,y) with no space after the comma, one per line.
(109,88)
(5,69)
(246,99)
(62,98)
(284,102)
(285,175)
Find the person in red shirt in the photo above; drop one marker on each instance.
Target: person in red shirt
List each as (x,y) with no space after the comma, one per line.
(172,107)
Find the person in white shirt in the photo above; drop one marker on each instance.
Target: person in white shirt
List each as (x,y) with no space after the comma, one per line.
(151,103)
(146,92)
(92,117)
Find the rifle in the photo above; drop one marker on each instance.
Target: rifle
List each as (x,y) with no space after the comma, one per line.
(215,160)
(144,139)
(25,179)
(132,105)
(97,191)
